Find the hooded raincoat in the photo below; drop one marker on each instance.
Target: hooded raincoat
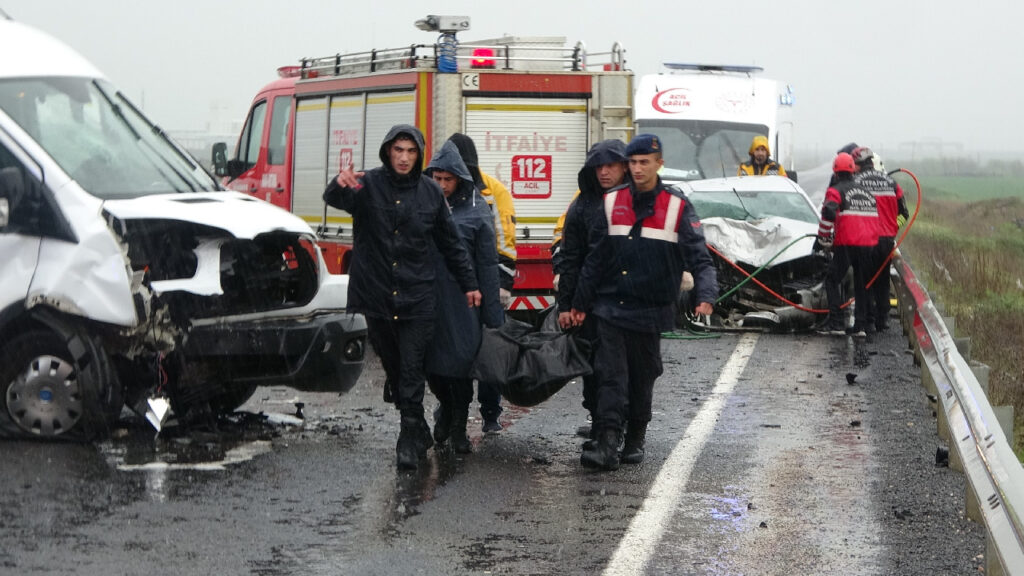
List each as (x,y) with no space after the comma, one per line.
(504,211)
(585,213)
(398,223)
(457,327)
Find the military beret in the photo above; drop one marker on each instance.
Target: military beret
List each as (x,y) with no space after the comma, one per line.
(644,144)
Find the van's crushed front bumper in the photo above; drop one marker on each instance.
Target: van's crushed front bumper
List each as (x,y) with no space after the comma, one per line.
(320,353)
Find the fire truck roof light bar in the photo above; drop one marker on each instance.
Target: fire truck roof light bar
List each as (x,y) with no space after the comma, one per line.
(425,56)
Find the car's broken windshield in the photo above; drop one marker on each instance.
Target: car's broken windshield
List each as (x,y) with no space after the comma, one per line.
(752,205)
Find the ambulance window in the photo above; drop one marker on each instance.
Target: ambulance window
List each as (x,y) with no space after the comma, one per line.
(279,130)
(251,135)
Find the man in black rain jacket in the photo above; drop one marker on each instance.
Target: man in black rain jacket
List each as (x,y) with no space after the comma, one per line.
(605,168)
(630,284)
(457,329)
(400,218)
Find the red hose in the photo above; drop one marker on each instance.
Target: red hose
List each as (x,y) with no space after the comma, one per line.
(906,229)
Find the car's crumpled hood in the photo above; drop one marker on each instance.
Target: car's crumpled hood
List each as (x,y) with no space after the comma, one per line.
(756,242)
(242,216)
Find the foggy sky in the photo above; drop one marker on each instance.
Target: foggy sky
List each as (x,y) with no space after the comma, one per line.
(884,74)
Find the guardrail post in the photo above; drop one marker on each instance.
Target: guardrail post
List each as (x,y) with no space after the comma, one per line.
(928,381)
(956,462)
(950,322)
(1004,415)
(971,505)
(992,565)
(942,427)
(963,346)
(981,372)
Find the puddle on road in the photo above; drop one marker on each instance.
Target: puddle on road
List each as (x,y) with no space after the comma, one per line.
(414,488)
(729,512)
(238,438)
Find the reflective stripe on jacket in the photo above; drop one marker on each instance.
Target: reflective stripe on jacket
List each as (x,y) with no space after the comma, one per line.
(632,277)
(888,197)
(771,167)
(856,214)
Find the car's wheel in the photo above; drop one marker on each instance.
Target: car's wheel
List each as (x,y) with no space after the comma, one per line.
(47,392)
(232,398)
(198,392)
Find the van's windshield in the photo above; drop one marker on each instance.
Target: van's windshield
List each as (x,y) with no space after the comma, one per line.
(698,149)
(99,138)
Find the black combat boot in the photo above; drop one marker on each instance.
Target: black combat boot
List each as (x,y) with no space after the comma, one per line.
(633,449)
(408,449)
(442,422)
(605,451)
(424,440)
(460,441)
(591,438)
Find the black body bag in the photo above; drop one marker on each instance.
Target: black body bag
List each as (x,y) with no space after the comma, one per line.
(529,363)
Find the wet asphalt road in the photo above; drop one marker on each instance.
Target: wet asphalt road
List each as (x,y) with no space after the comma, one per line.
(796,471)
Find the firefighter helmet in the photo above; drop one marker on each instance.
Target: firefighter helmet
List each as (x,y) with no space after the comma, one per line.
(862,155)
(843,163)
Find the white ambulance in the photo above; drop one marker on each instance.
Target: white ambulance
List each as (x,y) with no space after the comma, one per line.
(707,115)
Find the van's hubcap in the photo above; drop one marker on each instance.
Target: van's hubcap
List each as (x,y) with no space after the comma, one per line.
(44,399)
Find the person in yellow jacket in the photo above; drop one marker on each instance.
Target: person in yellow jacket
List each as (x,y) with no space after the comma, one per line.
(500,200)
(760,163)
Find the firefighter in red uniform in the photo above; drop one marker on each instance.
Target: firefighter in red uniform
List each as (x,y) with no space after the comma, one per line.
(630,285)
(891,209)
(849,224)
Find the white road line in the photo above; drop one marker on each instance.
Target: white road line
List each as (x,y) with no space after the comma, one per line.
(648,526)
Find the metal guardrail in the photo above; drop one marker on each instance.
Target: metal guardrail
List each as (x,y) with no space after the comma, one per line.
(994,474)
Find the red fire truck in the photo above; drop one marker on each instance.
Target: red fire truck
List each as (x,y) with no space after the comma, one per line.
(533,106)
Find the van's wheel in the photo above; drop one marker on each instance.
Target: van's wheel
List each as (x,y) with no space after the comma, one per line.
(232,398)
(48,392)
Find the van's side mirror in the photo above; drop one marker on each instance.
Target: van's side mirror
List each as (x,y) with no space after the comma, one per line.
(792,175)
(220,159)
(236,168)
(12,188)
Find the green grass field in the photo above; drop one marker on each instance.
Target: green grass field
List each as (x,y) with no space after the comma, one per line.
(967,244)
(973,188)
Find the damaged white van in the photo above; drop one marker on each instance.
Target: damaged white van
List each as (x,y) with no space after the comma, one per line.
(128,277)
